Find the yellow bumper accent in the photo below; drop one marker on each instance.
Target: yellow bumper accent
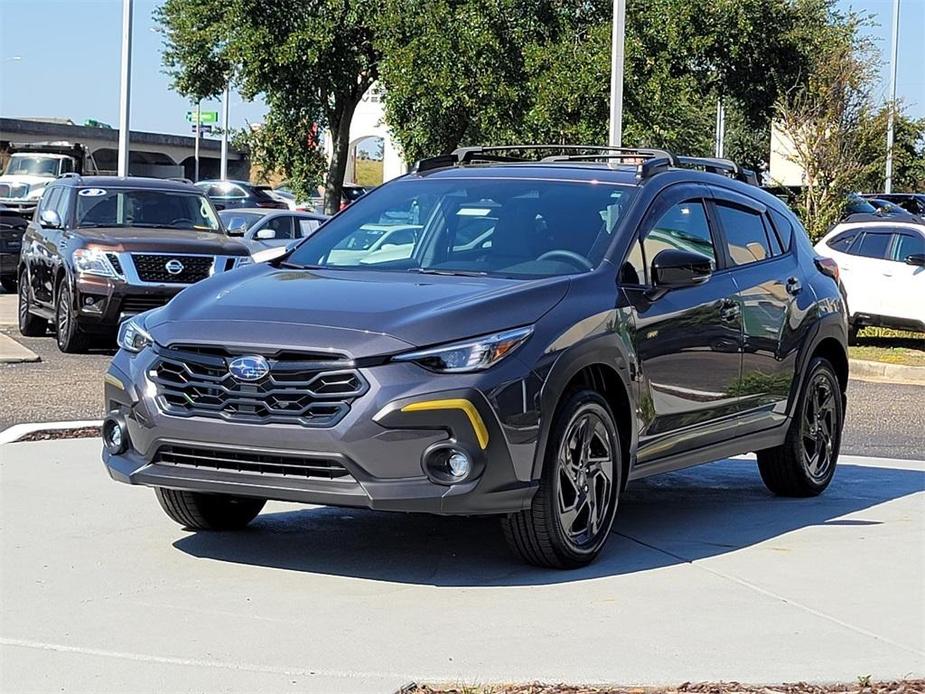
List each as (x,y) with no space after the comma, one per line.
(478,426)
(112,380)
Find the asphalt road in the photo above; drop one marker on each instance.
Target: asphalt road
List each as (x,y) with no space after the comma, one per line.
(706,577)
(884,420)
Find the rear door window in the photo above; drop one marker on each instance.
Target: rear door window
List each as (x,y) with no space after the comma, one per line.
(747,239)
(872,245)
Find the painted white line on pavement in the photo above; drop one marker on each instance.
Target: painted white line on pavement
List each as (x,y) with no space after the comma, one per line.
(17,431)
(198,662)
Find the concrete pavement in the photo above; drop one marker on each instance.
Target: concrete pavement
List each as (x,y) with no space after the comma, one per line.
(707,577)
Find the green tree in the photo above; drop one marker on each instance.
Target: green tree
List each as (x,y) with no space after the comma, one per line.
(311,60)
(908,152)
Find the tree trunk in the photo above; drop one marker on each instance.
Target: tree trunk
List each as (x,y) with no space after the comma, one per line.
(340,140)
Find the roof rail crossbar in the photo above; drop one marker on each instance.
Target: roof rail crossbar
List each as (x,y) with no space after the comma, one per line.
(720,166)
(69,174)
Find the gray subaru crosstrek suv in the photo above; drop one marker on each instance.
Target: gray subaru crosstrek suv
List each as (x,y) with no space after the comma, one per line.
(541,333)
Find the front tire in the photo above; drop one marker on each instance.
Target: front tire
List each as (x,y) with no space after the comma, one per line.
(573,510)
(67,332)
(199,511)
(29,325)
(805,464)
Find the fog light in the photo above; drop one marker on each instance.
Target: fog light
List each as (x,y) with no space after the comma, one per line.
(449,463)
(458,464)
(115,435)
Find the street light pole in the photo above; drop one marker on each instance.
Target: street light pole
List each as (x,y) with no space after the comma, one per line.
(616,72)
(888,183)
(125,87)
(196,145)
(224,165)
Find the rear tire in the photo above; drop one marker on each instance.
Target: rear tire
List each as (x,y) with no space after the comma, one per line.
(572,512)
(29,325)
(68,335)
(805,464)
(199,511)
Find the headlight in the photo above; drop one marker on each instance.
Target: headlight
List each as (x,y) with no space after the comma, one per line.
(472,355)
(93,261)
(132,334)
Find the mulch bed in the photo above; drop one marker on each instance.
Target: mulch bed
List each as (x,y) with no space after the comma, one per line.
(862,686)
(53,434)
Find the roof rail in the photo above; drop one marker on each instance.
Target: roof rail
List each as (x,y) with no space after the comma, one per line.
(69,174)
(649,161)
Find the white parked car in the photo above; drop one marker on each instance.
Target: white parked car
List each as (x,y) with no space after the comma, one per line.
(882,267)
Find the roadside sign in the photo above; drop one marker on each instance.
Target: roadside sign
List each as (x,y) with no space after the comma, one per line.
(203,129)
(204,117)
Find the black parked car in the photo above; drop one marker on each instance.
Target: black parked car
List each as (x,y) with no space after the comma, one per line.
(914,203)
(12,227)
(102,248)
(227,195)
(622,313)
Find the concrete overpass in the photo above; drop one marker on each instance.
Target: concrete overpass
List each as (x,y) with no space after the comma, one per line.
(150,154)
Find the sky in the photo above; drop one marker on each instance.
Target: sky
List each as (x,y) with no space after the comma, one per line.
(60,58)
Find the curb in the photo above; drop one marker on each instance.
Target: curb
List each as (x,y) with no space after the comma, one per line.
(11,352)
(880,372)
(17,431)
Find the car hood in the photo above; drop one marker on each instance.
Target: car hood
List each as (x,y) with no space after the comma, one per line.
(26,178)
(161,240)
(358,312)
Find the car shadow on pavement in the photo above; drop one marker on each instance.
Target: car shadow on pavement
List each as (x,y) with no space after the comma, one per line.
(662,521)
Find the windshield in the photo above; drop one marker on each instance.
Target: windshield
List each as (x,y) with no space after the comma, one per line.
(157,209)
(234,219)
(498,227)
(33,166)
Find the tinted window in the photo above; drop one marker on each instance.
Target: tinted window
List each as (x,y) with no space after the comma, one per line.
(842,242)
(282,227)
(63,205)
(542,228)
(307,226)
(906,245)
(872,245)
(49,199)
(683,227)
(746,236)
(235,219)
(784,229)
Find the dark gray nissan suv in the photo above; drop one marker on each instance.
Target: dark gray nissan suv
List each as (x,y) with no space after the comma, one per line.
(533,334)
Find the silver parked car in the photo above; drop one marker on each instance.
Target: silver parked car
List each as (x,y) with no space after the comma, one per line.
(261,229)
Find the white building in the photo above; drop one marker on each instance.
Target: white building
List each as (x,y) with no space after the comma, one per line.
(369,121)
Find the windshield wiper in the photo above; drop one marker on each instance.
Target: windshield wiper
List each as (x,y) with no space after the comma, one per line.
(460,273)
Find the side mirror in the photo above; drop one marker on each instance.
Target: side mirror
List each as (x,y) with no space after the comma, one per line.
(266,234)
(237,229)
(50,219)
(672,269)
(917,259)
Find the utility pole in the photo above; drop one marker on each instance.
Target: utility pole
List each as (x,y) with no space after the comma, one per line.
(616,72)
(196,146)
(720,146)
(125,87)
(888,183)
(224,164)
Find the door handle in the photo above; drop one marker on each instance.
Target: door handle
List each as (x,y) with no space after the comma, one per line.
(793,286)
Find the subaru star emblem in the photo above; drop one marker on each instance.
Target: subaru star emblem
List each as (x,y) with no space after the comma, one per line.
(173,266)
(249,368)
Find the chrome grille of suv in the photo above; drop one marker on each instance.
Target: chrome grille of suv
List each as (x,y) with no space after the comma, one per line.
(307,389)
(153,267)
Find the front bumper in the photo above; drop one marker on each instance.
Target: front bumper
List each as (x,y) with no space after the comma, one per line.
(102,303)
(380,442)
